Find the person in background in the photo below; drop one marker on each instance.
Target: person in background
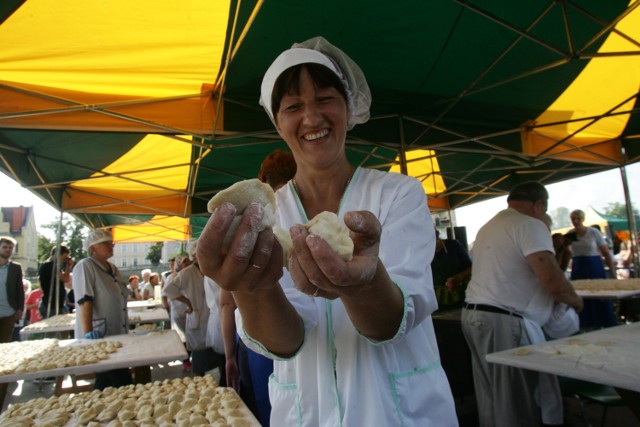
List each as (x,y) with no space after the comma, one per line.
(32,303)
(589,248)
(134,288)
(624,261)
(515,284)
(148,292)
(165,274)
(561,245)
(11,296)
(70,300)
(214,339)
(144,276)
(451,269)
(247,371)
(53,291)
(188,288)
(177,310)
(353,342)
(101,301)
(30,310)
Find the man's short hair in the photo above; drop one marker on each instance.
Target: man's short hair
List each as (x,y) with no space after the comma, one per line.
(531,191)
(63,250)
(7,239)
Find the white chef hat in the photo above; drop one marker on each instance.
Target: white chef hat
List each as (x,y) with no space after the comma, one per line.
(319,51)
(97,236)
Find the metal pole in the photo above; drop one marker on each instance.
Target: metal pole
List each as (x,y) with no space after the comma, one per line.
(56,270)
(403,154)
(633,229)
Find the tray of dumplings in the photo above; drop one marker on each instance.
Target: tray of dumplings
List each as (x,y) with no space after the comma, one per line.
(197,401)
(51,357)
(606,288)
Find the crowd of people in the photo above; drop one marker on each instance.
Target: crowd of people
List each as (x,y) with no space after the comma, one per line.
(316,339)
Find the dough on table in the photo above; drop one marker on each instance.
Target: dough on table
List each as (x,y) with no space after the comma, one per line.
(241,195)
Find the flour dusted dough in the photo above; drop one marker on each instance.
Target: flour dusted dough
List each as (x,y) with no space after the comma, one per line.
(241,195)
(326,225)
(334,231)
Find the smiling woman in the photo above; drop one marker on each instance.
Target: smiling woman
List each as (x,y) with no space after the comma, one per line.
(328,318)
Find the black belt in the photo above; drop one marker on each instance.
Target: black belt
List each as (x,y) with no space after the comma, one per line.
(491,309)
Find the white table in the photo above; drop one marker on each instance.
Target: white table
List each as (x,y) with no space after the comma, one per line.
(150,303)
(608,356)
(66,322)
(137,350)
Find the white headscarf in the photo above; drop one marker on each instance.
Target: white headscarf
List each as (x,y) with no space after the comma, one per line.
(319,51)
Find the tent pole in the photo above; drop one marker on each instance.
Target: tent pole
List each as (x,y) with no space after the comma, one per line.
(55,272)
(403,154)
(633,227)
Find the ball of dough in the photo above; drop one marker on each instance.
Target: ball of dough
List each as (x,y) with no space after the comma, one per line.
(326,225)
(241,195)
(334,231)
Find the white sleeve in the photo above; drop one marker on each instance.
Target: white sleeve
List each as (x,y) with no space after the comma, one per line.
(83,281)
(535,237)
(173,289)
(407,246)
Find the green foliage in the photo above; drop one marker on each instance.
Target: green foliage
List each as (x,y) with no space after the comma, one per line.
(73,233)
(560,218)
(44,247)
(619,210)
(155,253)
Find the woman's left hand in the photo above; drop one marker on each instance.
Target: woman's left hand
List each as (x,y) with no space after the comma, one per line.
(318,271)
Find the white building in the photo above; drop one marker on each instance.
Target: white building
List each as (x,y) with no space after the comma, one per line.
(19,223)
(127,255)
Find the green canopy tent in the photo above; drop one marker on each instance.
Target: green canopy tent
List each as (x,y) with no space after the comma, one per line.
(120,119)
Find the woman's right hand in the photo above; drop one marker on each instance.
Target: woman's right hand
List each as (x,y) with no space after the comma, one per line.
(233,374)
(254,259)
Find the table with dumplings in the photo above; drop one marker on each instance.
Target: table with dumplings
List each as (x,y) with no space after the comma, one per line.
(607,288)
(605,356)
(123,351)
(66,322)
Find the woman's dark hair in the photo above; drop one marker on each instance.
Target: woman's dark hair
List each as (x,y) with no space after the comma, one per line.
(277,168)
(289,82)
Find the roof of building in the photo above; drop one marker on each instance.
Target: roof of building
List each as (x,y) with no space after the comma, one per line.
(16,217)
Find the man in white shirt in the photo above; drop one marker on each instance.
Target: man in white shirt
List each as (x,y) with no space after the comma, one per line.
(515,282)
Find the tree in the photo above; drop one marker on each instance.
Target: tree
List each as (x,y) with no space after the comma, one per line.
(619,210)
(73,233)
(560,218)
(44,247)
(155,253)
